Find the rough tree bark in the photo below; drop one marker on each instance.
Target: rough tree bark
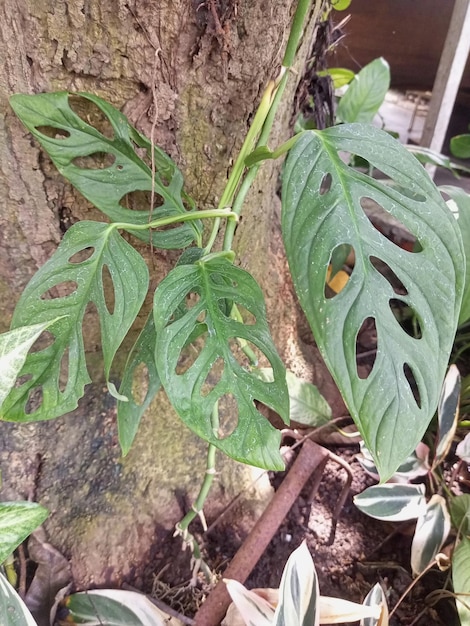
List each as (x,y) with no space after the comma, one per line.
(207,63)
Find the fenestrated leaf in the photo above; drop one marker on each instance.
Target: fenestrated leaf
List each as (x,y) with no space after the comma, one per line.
(214,284)
(315,222)
(114,607)
(447,413)
(365,93)
(432,528)
(462,214)
(13,611)
(299,594)
(461,580)
(17,521)
(129,412)
(392,502)
(42,369)
(14,347)
(128,173)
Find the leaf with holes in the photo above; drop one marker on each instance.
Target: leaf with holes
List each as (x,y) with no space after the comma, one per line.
(130,411)
(323,201)
(108,256)
(365,93)
(73,141)
(219,371)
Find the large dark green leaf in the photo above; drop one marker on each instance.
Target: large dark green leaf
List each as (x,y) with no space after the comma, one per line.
(365,93)
(75,139)
(213,285)
(321,211)
(42,375)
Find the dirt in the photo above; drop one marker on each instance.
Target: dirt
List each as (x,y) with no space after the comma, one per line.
(349,559)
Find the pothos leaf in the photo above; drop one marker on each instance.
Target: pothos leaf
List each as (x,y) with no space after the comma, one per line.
(219,371)
(13,611)
(17,522)
(365,93)
(323,209)
(130,411)
(432,529)
(105,251)
(73,139)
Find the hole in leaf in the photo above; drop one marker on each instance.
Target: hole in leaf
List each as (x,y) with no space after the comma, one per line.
(140,383)
(336,277)
(366,348)
(406,317)
(95,161)
(140,201)
(386,271)
(91,328)
(325,184)
(191,351)
(90,113)
(108,289)
(82,255)
(213,377)
(64,371)
(62,290)
(34,400)
(389,226)
(45,340)
(410,377)
(228,415)
(246,353)
(247,316)
(53,133)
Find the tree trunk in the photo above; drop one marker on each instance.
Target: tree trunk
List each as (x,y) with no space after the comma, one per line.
(195,70)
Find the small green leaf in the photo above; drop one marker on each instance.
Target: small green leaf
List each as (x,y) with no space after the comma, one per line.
(14,347)
(460,513)
(461,580)
(106,188)
(130,412)
(340,5)
(42,370)
(432,529)
(365,93)
(447,413)
(462,201)
(212,285)
(392,502)
(13,611)
(114,607)
(339,75)
(460,146)
(17,522)
(307,405)
(322,209)
(299,595)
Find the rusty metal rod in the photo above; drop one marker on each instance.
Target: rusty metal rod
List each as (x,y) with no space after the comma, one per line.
(312,457)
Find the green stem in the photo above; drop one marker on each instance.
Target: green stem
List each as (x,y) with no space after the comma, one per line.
(296,32)
(176,219)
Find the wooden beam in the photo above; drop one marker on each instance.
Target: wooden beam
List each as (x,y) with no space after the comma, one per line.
(448,77)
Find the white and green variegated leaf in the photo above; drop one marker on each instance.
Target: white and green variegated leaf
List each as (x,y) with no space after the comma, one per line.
(366,93)
(417,464)
(220,369)
(14,347)
(307,406)
(461,580)
(392,502)
(432,529)
(255,610)
(323,209)
(115,607)
(339,611)
(463,449)
(299,595)
(68,139)
(17,522)
(447,413)
(13,611)
(376,598)
(59,372)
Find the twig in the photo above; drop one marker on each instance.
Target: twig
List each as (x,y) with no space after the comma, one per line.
(162,606)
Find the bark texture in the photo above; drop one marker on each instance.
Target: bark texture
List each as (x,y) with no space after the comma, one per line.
(195,71)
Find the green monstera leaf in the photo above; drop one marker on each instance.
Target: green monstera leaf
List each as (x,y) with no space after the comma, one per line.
(324,201)
(72,142)
(192,310)
(53,378)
